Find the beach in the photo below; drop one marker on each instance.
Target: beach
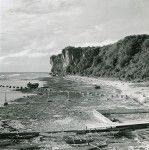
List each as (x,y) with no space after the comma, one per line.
(137,91)
(69,103)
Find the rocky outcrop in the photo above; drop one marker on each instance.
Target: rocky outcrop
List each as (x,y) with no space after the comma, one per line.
(57,64)
(127,58)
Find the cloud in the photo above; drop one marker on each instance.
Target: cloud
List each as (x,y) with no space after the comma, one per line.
(15,55)
(103,43)
(23,54)
(38,54)
(43,46)
(45,6)
(34,29)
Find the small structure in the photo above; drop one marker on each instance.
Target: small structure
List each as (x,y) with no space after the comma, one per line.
(77,140)
(68,96)
(5,103)
(97,87)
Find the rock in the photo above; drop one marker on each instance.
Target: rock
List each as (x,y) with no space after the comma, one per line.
(97,87)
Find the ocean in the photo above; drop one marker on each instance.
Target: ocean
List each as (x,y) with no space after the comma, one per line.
(9,81)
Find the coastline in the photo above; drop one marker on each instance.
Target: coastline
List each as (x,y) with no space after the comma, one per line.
(138,91)
(125,90)
(13,84)
(54,111)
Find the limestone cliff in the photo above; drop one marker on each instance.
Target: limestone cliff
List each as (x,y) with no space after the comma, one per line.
(128,58)
(57,64)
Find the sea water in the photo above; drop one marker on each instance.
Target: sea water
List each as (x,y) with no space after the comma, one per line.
(10,80)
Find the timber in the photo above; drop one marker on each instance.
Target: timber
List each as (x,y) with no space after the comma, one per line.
(122,111)
(119,127)
(19,135)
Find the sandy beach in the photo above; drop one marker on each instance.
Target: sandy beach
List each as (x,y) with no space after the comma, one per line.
(137,91)
(70,103)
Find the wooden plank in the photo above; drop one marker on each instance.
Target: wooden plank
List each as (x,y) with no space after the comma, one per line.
(18,135)
(120,127)
(122,111)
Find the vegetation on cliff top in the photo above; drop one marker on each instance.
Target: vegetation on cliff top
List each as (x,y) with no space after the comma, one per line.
(127,58)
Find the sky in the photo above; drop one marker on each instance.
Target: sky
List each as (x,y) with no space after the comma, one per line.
(33,30)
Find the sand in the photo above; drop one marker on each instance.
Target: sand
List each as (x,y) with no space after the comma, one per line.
(137,91)
(57,111)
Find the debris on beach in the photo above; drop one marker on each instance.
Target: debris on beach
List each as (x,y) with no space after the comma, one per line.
(77,140)
(97,87)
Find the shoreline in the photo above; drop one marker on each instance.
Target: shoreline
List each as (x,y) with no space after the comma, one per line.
(138,91)
(54,111)
(12,88)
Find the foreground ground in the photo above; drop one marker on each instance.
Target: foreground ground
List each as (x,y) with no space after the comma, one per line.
(68,103)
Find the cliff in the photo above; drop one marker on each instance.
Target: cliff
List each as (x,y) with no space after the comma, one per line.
(128,58)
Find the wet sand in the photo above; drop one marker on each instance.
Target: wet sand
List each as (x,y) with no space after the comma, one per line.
(67,104)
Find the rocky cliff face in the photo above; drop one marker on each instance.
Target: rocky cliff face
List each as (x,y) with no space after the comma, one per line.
(128,58)
(57,64)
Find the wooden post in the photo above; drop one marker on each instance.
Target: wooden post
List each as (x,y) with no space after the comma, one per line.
(5,103)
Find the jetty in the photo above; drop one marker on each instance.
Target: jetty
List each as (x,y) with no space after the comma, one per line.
(120,127)
(106,126)
(123,111)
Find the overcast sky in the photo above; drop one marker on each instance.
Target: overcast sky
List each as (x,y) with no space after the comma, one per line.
(32,30)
